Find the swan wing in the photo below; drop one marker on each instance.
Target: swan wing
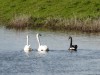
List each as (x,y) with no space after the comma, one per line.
(43,48)
(27,48)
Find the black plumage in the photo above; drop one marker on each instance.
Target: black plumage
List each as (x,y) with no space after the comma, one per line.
(72,47)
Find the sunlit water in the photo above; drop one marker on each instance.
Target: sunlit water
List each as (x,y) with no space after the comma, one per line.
(58,61)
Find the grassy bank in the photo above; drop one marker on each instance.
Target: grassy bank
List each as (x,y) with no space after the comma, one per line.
(51,23)
(52,14)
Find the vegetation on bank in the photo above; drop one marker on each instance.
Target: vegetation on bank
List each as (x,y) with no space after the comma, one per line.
(81,15)
(86,25)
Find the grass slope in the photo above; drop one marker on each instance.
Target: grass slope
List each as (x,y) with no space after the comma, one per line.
(79,15)
(48,8)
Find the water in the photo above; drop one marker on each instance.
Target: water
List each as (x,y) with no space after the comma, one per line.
(58,61)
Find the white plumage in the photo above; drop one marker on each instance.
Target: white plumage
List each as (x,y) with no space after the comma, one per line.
(41,47)
(27,47)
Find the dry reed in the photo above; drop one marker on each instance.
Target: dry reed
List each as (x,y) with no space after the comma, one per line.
(20,22)
(84,25)
(88,25)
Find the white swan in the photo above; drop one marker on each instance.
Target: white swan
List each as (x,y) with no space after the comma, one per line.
(41,48)
(27,47)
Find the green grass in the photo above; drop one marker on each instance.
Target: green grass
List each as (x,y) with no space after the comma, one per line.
(48,8)
(58,10)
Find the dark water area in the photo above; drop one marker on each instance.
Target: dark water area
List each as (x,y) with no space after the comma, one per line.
(58,61)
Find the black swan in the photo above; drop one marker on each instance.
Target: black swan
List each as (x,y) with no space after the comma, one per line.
(72,47)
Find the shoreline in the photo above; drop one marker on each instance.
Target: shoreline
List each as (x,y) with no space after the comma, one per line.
(74,24)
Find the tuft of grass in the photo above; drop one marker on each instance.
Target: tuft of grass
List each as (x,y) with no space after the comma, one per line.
(24,22)
(20,22)
(74,24)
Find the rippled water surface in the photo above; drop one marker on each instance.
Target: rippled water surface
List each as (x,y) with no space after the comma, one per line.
(58,61)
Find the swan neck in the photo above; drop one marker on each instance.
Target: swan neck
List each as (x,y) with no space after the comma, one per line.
(27,40)
(70,42)
(38,39)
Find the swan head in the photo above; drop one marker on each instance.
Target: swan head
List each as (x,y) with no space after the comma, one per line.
(70,37)
(27,36)
(38,34)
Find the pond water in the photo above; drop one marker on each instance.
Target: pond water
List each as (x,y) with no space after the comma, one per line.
(58,61)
